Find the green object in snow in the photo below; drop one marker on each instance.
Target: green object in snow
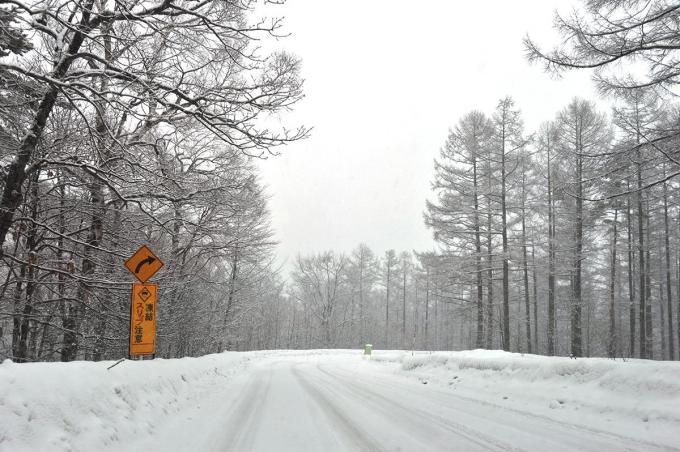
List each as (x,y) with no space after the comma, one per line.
(368,348)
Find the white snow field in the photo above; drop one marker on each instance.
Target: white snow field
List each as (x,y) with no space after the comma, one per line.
(337,400)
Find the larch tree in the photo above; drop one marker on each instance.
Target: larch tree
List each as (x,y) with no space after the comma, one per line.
(508,140)
(363,276)
(546,142)
(584,135)
(638,119)
(456,217)
(389,267)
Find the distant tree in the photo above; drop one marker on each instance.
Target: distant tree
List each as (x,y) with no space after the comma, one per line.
(524,176)
(427,262)
(389,266)
(363,274)
(319,282)
(406,265)
(546,142)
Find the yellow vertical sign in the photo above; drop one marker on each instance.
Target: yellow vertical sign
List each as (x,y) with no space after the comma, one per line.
(143,319)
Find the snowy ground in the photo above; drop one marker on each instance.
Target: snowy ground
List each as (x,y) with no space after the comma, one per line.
(338,401)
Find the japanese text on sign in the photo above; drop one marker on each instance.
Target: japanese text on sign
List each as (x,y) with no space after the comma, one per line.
(143,319)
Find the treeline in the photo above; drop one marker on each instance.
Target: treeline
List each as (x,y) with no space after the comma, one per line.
(564,240)
(397,300)
(126,123)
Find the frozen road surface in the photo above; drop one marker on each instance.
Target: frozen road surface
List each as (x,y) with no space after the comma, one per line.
(341,401)
(342,406)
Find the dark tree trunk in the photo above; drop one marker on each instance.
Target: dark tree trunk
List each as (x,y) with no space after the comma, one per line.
(489,283)
(669,290)
(611,349)
(577,303)
(641,262)
(22,322)
(16,171)
(478,260)
(535,290)
(527,306)
(427,308)
(649,331)
(506,251)
(631,283)
(387,306)
(403,307)
(662,314)
(551,263)
(677,293)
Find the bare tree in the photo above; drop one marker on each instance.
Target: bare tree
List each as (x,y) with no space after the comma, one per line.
(456,216)
(508,140)
(318,283)
(141,65)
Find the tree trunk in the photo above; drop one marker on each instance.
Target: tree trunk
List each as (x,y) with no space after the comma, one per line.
(506,251)
(478,260)
(489,289)
(631,284)
(577,303)
(551,263)
(233,276)
(535,290)
(662,314)
(22,322)
(641,262)
(649,331)
(669,290)
(403,303)
(427,307)
(362,313)
(387,306)
(611,349)
(527,306)
(17,318)
(677,293)
(16,171)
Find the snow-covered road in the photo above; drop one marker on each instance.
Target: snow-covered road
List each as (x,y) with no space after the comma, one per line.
(338,400)
(337,405)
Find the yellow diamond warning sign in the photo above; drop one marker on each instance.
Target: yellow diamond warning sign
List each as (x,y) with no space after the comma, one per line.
(143,319)
(143,264)
(144,294)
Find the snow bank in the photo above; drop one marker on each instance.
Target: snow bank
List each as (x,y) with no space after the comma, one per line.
(82,406)
(638,389)
(181,404)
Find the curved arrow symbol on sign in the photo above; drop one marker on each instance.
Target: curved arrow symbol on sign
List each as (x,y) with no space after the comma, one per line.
(149,260)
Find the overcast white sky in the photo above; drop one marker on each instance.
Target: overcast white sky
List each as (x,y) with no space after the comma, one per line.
(385,79)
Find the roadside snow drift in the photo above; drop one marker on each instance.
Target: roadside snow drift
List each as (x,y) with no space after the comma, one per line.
(82,406)
(638,389)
